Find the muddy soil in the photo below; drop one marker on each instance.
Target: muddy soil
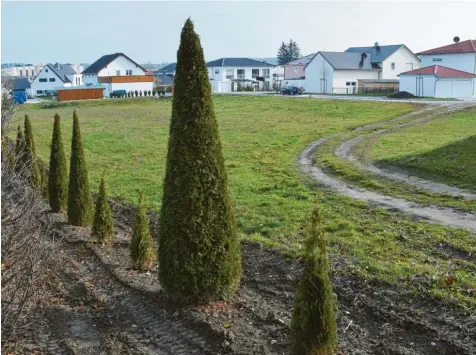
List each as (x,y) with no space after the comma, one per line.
(100,305)
(345,151)
(444,216)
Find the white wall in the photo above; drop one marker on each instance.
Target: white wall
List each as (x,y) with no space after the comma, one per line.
(132,86)
(404,61)
(319,76)
(122,64)
(454,87)
(220,86)
(16,71)
(418,85)
(462,61)
(342,77)
(90,79)
(219,74)
(47,74)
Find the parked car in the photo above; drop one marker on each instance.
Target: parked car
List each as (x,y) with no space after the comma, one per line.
(291,90)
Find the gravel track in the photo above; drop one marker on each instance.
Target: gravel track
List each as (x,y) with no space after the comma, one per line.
(438,215)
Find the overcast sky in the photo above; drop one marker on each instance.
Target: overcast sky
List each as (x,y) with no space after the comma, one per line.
(34,32)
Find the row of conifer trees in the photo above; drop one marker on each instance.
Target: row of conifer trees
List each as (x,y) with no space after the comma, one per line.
(199,249)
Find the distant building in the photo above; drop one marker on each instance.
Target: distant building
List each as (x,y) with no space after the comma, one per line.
(27,71)
(54,76)
(295,68)
(118,72)
(227,74)
(168,69)
(17,83)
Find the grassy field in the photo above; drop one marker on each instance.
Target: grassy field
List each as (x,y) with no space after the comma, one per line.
(262,137)
(441,150)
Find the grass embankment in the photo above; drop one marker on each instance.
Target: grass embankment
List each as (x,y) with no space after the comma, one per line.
(442,150)
(262,137)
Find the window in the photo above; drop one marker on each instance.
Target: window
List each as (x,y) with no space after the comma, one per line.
(118,73)
(392,66)
(39,91)
(254,73)
(240,73)
(52,80)
(437,59)
(21,72)
(43,80)
(217,71)
(353,83)
(128,72)
(296,69)
(46,70)
(347,83)
(230,73)
(266,73)
(26,73)
(32,73)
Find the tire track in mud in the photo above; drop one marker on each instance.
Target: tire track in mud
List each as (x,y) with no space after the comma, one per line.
(437,215)
(125,314)
(345,151)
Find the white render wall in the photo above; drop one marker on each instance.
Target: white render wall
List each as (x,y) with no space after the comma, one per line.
(46,73)
(319,76)
(418,85)
(454,87)
(461,61)
(404,61)
(90,79)
(341,77)
(120,64)
(220,76)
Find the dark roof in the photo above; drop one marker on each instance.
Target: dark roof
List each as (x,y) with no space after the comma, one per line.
(16,82)
(303,60)
(377,54)
(104,61)
(347,61)
(169,68)
(468,46)
(237,62)
(165,79)
(61,70)
(440,71)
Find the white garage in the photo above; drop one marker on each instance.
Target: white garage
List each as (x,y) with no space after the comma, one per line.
(438,81)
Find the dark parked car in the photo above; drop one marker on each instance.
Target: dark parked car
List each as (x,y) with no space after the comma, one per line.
(291,90)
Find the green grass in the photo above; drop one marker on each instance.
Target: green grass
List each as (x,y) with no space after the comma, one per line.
(262,137)
(442,150)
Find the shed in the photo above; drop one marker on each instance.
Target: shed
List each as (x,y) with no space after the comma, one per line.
(80,93)
(438,81)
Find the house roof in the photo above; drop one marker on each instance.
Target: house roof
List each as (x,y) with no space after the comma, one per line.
(377,54)
(61,70)
(468,46)
(302,61)
(17,82)
(440,71)
(346,61)
(169,68)
(104,61)
(237,62)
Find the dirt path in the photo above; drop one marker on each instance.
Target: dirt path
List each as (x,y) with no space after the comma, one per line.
(345,151)
(444,216)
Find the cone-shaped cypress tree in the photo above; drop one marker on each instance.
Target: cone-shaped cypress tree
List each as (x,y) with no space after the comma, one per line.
(29,155)
(200,258)
(44,179)
(313,324)
(19,150)
(141,246)
(80,201)
(58,173)
(103,228)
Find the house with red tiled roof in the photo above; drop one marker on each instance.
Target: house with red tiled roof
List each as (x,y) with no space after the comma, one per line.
(447,72)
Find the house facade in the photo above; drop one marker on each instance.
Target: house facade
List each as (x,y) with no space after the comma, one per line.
(26,71)
(228,74)
(338,72)
(117,72)
(169,69)
(392,60)
(295,68)
(54,76)
(446,72)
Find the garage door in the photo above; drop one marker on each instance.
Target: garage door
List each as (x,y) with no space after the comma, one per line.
(454,88)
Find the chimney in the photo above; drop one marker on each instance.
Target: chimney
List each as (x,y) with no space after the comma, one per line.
(377,46)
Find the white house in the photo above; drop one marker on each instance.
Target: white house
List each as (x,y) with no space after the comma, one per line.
(27,71)
(118,72)
(338,72)
(392,59)
(54,76)
(226,74)
(460,56)
(438,81)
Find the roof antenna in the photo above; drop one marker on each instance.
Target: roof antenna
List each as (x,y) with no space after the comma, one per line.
(456,39)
